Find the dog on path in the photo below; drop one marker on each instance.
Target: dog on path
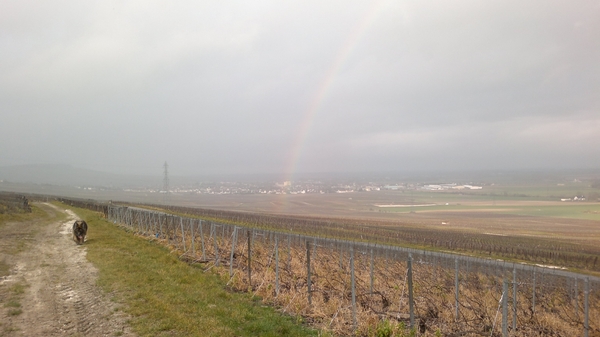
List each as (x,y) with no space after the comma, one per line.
(80,228)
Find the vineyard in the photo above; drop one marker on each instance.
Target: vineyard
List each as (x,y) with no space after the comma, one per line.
(350,287)
(533,249)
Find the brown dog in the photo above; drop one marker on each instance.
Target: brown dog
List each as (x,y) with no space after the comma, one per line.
(80,228)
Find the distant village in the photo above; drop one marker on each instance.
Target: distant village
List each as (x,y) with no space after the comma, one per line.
(301,187)
(575,198)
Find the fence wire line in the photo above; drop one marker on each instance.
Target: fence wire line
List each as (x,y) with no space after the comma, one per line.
(419,256)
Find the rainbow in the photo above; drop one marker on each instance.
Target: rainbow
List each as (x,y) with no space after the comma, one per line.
(322,90)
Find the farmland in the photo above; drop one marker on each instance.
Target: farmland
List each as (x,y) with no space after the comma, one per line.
(536,229)
(521,225)
(521,221)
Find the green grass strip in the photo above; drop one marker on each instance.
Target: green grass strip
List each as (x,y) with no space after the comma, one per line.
(167,297)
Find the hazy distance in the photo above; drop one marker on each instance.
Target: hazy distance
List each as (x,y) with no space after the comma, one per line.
(297,87)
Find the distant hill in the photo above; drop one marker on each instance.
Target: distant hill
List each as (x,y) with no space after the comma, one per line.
(68,175)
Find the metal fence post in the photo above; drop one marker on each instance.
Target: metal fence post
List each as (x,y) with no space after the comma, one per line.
(233,240)
(182,233)
(586,304)
(191,222)
(276,265)
(576,297)
(289,252)
(372,267)
(161,225)
(147,222)
(505,308)
(411,307)
(154,226)
(514,325)
(308,272)
(216,242)
(353,288)
(169,228)
(456,289)
(249,259)
(202,240)
(533,298)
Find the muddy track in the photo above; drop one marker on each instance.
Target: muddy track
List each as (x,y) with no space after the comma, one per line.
(60,295)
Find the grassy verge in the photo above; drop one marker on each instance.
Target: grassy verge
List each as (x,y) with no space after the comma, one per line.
(167,297)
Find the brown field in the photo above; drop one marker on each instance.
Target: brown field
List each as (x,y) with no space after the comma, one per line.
(471,216)
(534,231)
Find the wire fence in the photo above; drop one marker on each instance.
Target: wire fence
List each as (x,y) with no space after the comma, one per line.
(352,287)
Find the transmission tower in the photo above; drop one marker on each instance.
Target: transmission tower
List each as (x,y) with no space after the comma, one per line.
(166,183)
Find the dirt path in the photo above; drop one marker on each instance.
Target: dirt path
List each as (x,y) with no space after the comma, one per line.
(56,288)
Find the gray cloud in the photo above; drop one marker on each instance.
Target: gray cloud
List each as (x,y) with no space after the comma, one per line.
(225,87)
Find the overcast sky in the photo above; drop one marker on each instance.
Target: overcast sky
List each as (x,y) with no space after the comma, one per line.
(300,86)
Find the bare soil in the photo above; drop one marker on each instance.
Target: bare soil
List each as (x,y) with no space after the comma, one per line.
(51,287)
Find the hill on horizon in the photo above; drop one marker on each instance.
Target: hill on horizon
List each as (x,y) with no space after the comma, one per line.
(68,175)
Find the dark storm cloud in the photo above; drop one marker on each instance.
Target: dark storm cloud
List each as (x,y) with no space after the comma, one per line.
(225,86)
